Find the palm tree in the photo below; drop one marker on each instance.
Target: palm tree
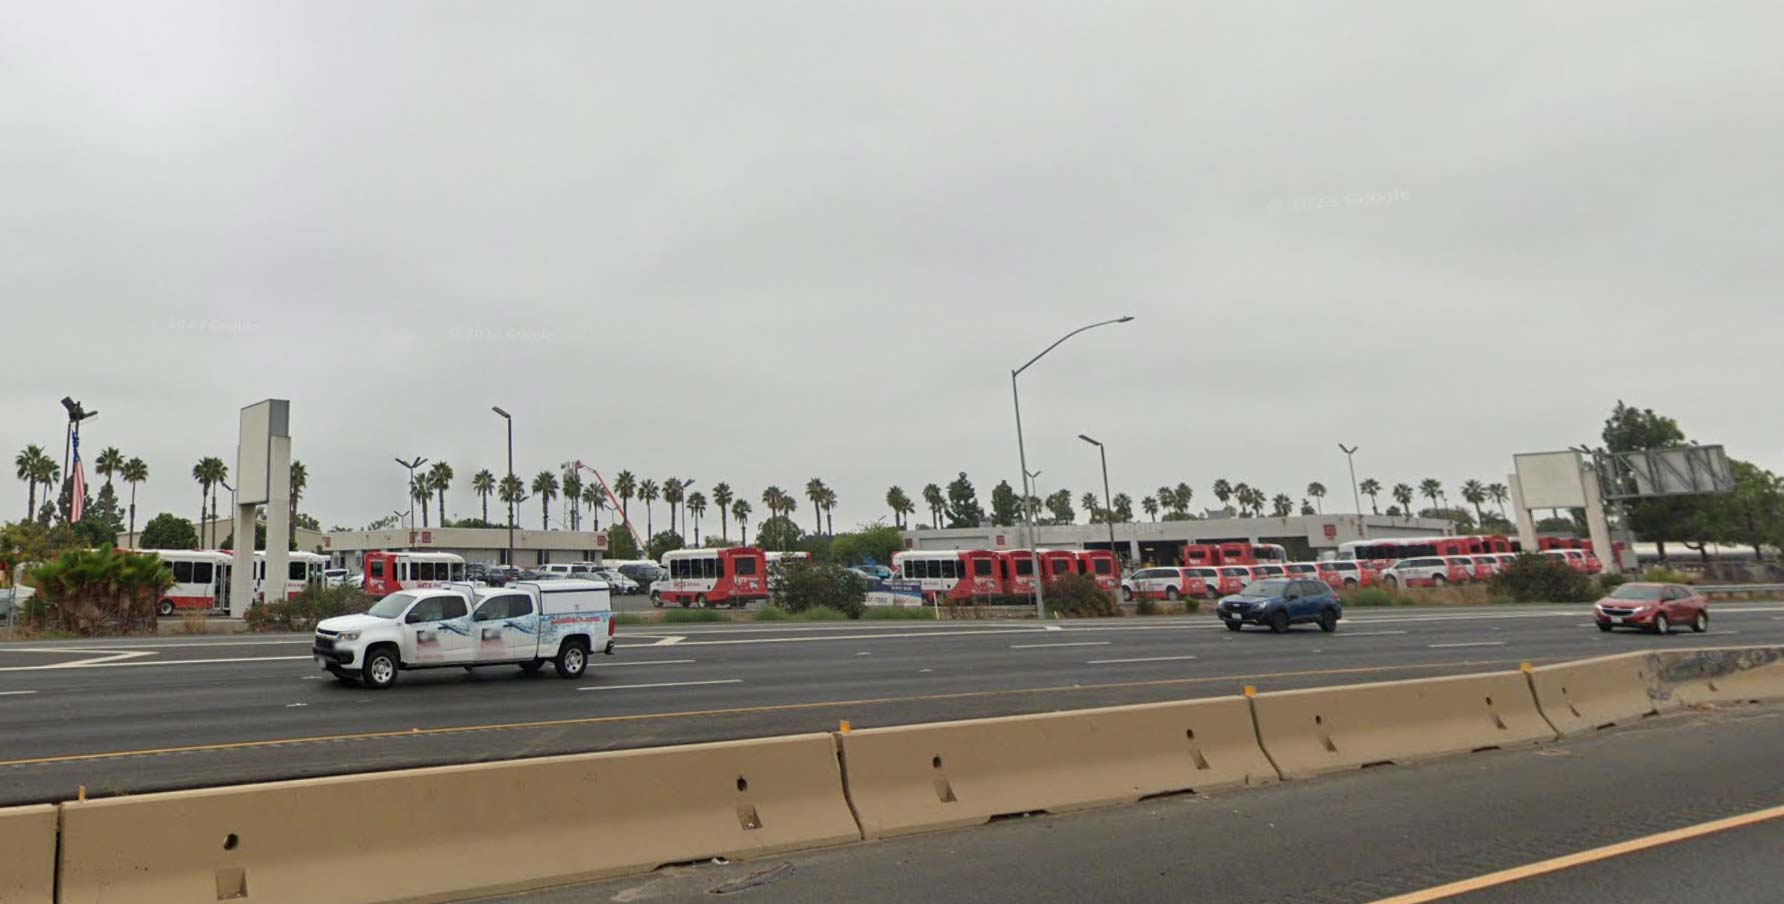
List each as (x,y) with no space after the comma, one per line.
(741,511)
(1123,508)
(201,474)
(1258,500)
(219,476)
(483,483)
(673,493)
(696,507)
(596,500)
(647,494)
(545,486)
(1318,491)
(1242,495)
(625,486)
(1222,491)
(721,499)
(1474,493)
(109,462)
(30,466)
(1282,505)
(134,472)
(1149,505)
(573,496)
(439,480)
(1499,493)
(300,481)
(771,500)
(1088,502)
(1403,495)
(814,490)
(1180,498)
(1431,488)
(830,510)
(512,492)
(1371,488)
(47,474)
(422,494)
(896,500)
(932,495)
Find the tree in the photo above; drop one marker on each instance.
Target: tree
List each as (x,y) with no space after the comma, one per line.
(870,543)
(1474,493)
(109,462)
(622,545)
(1457,517)
(135,472)
(647,494)
(722,495)
(1242,496)
(512,493)
(1059,505)
(963,503)
(1371,487)
(1498,492)
(1222,491)
(1431,488)
(422,494)
(814,490)
(1149,505)
(777,532)
(300,481)
(1124,508)
(1307,508)
(32,463)
(1630,429)
(165,531)
(1167,497)
(804,586)
(102,591)
(898,502)
(932,495)
(741,511)
(102,521)
(1403,495)
(596,500)
(545,486)
(1282,505)
(201,474)
(673,492)
(625,485)
(1180,498)
(696,507)
(1318,491)
(829,503)
(483,483)
(572,484)
(1088,500)
(667,541)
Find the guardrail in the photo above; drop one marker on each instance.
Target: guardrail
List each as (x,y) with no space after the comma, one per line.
(1740,589)
(492,828)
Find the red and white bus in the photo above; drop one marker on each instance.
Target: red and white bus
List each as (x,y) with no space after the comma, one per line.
(388,572)
(200,580)
(1384,552)
(1346,575)
(1233,553)
(1018,572)
(952,575)
(1057,563)
(1172,583)
(1234,578)
(733,576)
(302,568)
(1102,565)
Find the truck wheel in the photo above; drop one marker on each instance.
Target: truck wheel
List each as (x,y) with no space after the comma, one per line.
(532,668)
(166,608)
(699,600)
(572,660)
(380,669)
(656,600)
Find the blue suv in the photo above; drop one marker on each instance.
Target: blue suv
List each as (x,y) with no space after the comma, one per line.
(1280,603)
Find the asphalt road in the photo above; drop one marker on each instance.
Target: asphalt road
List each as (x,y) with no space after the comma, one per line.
(1366,836)
(176,712)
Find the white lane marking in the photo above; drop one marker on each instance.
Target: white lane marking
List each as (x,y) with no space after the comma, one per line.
(1052,628)
(1048,646)
(174,645)
(107,657)
(669,641)
(1142,659)
(290,705)
(1714,633)
(630,687)
(1368,633)
(863,653)
(924,671)
(118,665)
(1478,643)
(615,665)
(15,693)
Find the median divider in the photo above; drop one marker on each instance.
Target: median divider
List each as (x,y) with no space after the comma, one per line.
(1589,694)
(28,854)
(457,831)
(1721,676)
(1319,730)
(919,778)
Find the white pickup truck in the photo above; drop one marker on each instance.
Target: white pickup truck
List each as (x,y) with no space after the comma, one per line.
(525,623)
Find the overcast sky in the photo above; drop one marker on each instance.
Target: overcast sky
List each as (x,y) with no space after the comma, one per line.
(764,242)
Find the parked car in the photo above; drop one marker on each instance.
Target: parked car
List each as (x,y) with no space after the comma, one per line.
(1345,574)
(643,573)
(619,582)
(1279,603)
(1423,571)
(1653,607)
(1170,584)
(334,577)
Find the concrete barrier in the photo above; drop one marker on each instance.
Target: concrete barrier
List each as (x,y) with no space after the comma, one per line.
(1720,676)
(1589,694)
(1320,730)
(918,778)
(27,854)
(457,831)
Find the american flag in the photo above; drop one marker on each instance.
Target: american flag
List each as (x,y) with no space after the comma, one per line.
(77,496)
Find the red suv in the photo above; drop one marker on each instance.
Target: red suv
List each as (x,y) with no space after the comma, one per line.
(1653,607)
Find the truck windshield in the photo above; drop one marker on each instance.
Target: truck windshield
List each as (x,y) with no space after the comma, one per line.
(391,606)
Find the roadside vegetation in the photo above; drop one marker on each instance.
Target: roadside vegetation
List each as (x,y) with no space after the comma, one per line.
(301,613)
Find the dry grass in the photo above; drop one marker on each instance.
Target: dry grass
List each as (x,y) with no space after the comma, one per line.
(195,623)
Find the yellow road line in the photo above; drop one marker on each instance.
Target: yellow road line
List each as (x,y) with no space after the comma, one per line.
(1582,858)
(741,710)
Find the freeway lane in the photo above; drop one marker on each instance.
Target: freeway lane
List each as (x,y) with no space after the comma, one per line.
(154,714)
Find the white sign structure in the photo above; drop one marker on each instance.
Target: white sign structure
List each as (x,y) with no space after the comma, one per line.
(1560,480)
(263,477)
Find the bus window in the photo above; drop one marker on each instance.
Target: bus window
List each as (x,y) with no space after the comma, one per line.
(743,567)
(201,572)
(981,568)
(1102,566)
(709,568)
(182,572)
(296,571)
(377,569)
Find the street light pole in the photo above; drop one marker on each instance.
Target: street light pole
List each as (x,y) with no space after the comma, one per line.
(412,465)
(1108,503)
(510,479)
(1355,497)
(1040,603)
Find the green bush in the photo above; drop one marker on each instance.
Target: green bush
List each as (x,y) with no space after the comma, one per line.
(1608,582)
(1533,578)
(1078,596)
(628,618)
(1660,574)
(806,585)
(1192,605)
(301,613)
(897,613)
(770,613)
(91,592)
(1145,606)
(691,616)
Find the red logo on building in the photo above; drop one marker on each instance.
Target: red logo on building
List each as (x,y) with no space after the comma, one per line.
(1331,532)
(427,536)
(1002,540)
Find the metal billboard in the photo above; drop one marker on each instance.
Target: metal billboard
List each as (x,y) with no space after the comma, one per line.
(1677,471)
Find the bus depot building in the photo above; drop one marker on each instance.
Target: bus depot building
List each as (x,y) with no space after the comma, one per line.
(489,546)
(1141,543)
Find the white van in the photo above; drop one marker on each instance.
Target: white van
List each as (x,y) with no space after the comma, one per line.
(527,623)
